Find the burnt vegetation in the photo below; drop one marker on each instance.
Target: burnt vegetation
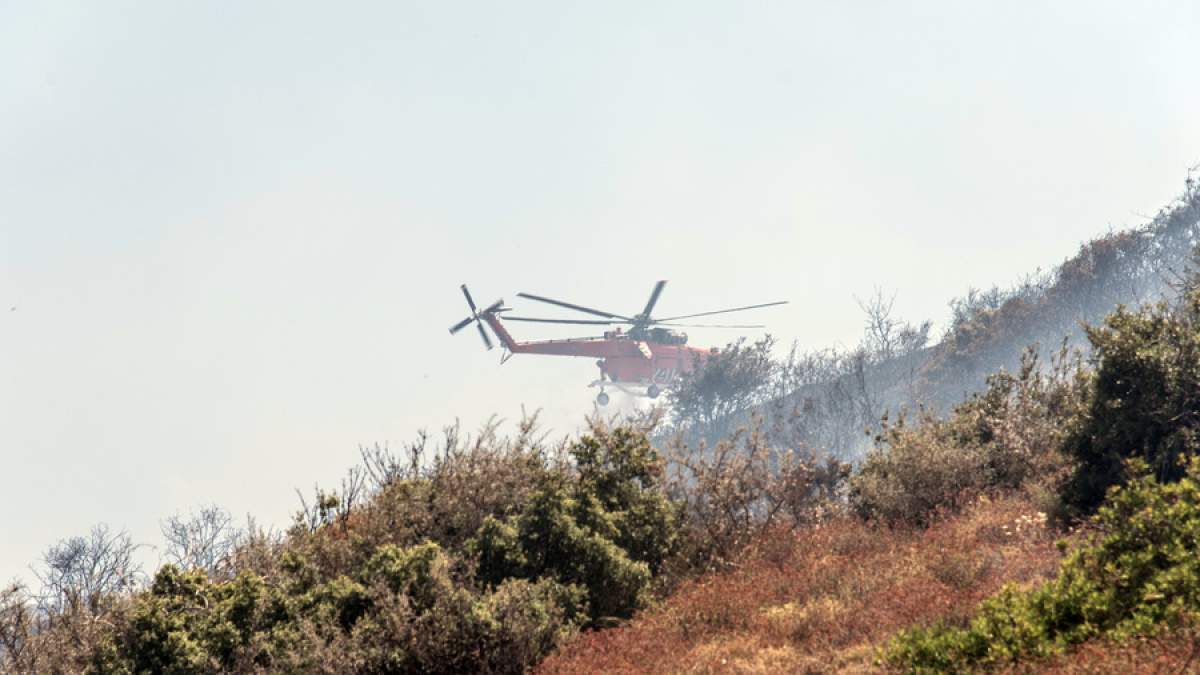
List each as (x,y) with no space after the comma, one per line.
(894,506)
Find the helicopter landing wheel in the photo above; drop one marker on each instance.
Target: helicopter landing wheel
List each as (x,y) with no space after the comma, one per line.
(602,398)
(653,391)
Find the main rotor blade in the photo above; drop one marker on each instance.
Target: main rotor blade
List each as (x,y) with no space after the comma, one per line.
(588,322)
(578,308)
(461,325)
(470,302)
(658,289)
(708,325)
(722,311)
(487,341)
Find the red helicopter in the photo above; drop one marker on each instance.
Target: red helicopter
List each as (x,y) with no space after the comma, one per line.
(639,361)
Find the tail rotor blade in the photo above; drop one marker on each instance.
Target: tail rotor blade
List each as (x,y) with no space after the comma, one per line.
(461,325)
(477,317)
(470,301)
(487,341)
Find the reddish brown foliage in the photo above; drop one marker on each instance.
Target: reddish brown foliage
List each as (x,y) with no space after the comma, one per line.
(822,599)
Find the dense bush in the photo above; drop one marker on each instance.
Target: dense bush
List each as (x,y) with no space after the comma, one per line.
(1138,575)
(480,556)
(1146,400)
(1008,437)
(185,623)
(402,612)
(606,530)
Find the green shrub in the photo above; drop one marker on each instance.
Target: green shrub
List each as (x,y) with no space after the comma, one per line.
(570,538)
(404,612)
(1145,403)
(497,550)
(915,471)
(1140,574)
(625,474)
(527,620)
(420,572)
(507,630)
(606,528)
(185,623)
(345,600)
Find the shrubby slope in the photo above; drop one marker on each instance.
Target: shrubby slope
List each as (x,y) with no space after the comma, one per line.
(825,399)
(946,559)
(727,549)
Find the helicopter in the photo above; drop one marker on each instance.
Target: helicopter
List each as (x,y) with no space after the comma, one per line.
(639,356)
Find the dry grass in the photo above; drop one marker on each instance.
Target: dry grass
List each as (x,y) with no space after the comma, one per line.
(824,598)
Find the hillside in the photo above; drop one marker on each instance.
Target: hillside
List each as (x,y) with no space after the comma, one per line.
(1047,522)
(824,399)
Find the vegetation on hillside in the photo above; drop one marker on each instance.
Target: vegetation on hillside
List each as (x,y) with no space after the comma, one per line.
(822,598)
(730,538)
(1146,402)
(886,586)
(1007,438)
(1137,575)
(825,399)
(481,556)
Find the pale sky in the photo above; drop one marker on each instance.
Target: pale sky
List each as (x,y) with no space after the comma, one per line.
(233,233)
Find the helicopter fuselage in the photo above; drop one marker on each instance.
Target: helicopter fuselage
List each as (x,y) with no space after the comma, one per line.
(623,359)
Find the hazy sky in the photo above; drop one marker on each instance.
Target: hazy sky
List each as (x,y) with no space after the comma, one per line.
(233,233)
